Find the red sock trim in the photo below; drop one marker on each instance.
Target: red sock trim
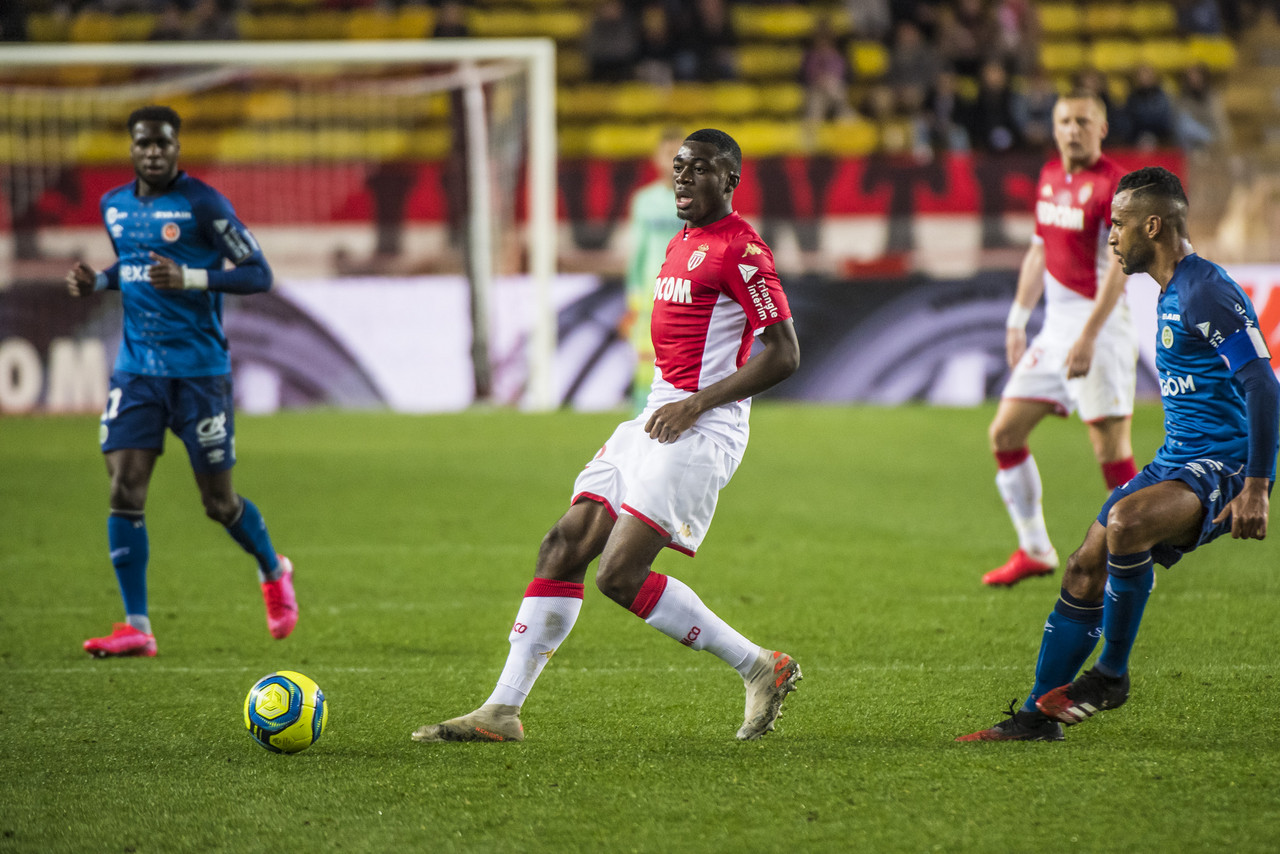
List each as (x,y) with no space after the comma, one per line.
(1009,459)
(551,587)
(650,592)
(1119,472)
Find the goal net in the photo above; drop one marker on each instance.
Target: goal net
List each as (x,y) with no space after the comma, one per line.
(346,159)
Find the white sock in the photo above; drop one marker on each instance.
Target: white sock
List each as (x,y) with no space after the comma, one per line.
(680,614)
(1020,488)
(542,624)
(141,622)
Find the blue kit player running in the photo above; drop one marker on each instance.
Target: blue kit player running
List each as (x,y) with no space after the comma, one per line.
(172,234)
(1211,477)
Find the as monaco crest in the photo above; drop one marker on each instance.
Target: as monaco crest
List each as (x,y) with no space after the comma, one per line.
(698,256)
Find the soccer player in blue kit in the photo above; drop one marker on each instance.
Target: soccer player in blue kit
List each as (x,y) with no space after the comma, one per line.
(1213,475)
(171,235)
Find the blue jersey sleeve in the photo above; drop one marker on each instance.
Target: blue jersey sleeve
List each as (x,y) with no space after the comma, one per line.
(1224,317)
(224,230)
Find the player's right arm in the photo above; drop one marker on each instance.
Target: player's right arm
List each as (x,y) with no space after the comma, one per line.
(83,280)
(1030,289)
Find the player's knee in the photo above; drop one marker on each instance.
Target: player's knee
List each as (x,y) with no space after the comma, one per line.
(616,583)
(127,495)
(220,508)
(1126,529)
(1005,437)
(1085,574)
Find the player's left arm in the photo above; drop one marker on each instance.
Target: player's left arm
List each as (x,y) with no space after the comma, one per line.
(220,226)
(772,364)
(1080,357)
(1245,351)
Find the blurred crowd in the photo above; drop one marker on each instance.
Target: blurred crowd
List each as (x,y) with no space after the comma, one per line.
(961,74)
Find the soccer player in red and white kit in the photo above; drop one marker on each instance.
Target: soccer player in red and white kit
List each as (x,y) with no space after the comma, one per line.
(1085,356)
(655,483)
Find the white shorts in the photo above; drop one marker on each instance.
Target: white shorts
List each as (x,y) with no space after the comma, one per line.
(671,487)
(1106,391)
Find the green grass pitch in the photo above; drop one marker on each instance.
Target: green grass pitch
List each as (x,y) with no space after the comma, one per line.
(852,537)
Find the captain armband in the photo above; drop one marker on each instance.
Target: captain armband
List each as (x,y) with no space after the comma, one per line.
(1018,316)
(195,279)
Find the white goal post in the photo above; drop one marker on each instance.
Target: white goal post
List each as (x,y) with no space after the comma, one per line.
(472,59)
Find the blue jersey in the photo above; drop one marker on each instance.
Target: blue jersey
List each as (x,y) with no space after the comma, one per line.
(171,333)
(1207,331)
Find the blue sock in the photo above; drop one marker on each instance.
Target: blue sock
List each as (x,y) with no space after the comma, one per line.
(1128,586)
(130,550)
(1070,634)
(251,533)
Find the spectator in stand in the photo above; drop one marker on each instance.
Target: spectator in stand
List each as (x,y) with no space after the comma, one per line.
(13,22)
(925,14)
(1149,110)
(451,21)
(1200,118)
(657,52)
(1033,109)
(869,19)
(1018,25)
(943,112)
(213,20)
(989,119)
(171,23)
(705,40)
(612,43)
(1093,80)
(914,64)
(967,35)
(825,74)
(1199,18)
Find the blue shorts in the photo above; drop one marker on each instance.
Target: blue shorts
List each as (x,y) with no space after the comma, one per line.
(197,409)
(1215,483)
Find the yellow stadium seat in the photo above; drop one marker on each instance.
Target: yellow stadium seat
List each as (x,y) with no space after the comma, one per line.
(1061,19)
(1062,57)
(869,60)
(621,141)
(769,62)
(321,25)
(563,25)
(500,23)
(133,27)
(586,101)
(1152,19)
(1165,54)
(273,26)
(779,23)
(1217,53)
(48,27)
(781,99)
(1106,19)
(848,139)
(369,24)
(764,138)
(638,101)
(414,22)
(91,26)
(571,65)
(270,105)
(430,143)
(1114,55)
(730,99)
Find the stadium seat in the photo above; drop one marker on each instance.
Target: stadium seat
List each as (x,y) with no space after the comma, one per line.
(765,138)
(1065,57)
(1152,19)
(133,27)
(1106,19)
(869,60)
(321,25)
(769,61)
(848,139)
(274,26)
(1216,53)
(728,100)
(370,24)
(621,141)
(637,101)
(1165,54)
(48,27)
(560,24)
(413,22)
(92,26)
(1062,20)
(571,65)
(431,143)
(504,23)
(781,99)
(1114,55)
(585,101)
(270,105)
(777,23)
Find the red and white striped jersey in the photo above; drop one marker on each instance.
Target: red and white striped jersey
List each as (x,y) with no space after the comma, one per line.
(716,291)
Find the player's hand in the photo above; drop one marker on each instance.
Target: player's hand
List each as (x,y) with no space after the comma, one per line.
(1248,511)
(668,422)
(165,274)
(1015,344)
(1079,358)
(80,279)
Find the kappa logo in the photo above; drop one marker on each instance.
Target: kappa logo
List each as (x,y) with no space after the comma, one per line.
(699,255)
(747,271)
(752,249)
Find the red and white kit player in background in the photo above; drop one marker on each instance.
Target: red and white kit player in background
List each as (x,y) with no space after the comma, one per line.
(655,483)
(1085,356)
